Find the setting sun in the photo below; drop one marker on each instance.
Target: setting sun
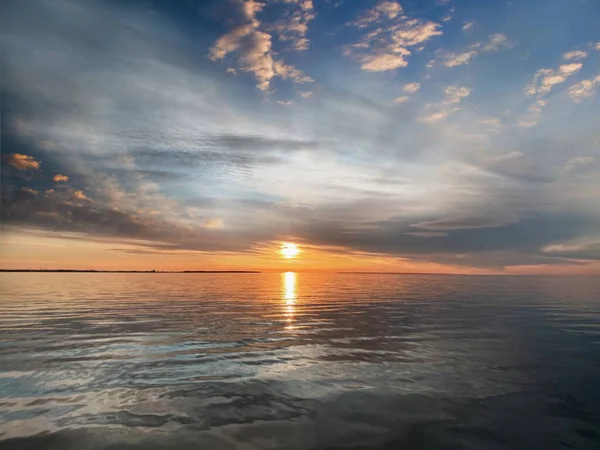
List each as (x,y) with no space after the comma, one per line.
(289,250)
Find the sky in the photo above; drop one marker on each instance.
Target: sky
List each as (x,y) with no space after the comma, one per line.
(419,136)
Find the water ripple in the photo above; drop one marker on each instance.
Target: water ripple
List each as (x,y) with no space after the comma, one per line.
(304,361)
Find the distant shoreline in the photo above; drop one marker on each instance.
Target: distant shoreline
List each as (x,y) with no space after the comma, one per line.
(125,271)
(401,273)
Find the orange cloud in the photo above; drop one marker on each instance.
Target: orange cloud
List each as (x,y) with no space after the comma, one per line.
(58,178)
(79,195)
(22,162)
(213,223)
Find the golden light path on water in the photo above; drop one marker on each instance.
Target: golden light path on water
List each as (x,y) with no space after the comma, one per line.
(289,296)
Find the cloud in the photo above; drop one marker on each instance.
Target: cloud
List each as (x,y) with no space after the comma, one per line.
(60,178)
(384,9)
(454,94)
(468,25)
(79,195)
(495,42)
(390,37)
(412,87)
(214,223)
(286,71)
(586,247)
(533,114)
(427,234)
(579,161)
(22,162)
(254,48)
(493,122)
(285,103)
(544,80)
(29,191)
(382,62)
(583,89)
(459,59)
(569,69)
(460,223)
(413,32)
(505,157)
(435,117)
(140,227)
(574,55)
(597,46)
(294,24)
(401,99)
(306,94)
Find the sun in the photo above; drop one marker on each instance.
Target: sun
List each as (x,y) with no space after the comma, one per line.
(289,250)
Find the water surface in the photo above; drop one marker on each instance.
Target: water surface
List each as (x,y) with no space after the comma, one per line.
(298,361)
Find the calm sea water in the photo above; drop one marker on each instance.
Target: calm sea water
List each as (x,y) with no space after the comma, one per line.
(298,361)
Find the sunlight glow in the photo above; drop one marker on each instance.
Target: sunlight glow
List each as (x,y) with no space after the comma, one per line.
(289,250)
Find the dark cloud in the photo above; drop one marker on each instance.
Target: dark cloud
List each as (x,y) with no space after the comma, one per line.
(174,158)
(258,143)
(26,207)
(477,243)
(459,223)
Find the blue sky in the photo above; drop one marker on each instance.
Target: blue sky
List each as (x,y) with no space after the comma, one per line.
(423,135)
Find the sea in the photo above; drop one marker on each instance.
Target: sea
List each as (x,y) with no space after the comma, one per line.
(298,361)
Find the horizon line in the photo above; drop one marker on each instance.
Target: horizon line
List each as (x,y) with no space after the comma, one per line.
(233,271)
(129,271)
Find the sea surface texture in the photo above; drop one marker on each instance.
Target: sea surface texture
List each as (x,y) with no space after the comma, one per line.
(298,361)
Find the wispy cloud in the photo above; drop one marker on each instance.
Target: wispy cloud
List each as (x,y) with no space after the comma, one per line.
(412,87)
(579,161)
(439,111)
(545,79)
(467,26)
(574,55)
(437,116)
(454,94)
(390,38)
(384,9)
(533,114)
(583,89)
(495,42)
(505,157)
(294,25)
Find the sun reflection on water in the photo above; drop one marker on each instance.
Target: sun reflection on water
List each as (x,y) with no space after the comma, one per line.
(289,297)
